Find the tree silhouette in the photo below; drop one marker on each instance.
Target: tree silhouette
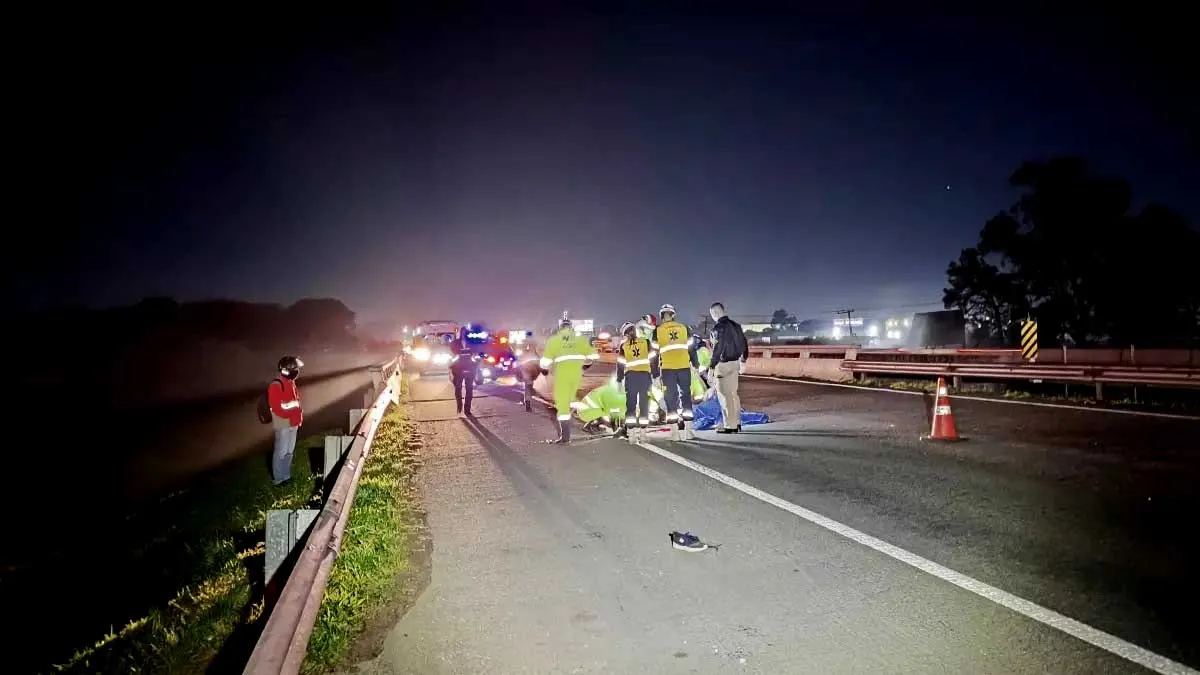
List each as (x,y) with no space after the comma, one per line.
(782,318)
(1070,253)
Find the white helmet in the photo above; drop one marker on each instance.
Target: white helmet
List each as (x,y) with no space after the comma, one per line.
(668,307)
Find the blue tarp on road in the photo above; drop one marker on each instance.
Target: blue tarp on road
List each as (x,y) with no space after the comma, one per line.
(707,415)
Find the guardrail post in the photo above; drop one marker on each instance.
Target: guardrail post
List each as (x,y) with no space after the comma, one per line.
(376,376)
(285,528)
(957,383)
(1099,391)
(335,447)
(356,416)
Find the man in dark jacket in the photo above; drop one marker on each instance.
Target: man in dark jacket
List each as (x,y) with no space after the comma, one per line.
(462,371)
(729,353)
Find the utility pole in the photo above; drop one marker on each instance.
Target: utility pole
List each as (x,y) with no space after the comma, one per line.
(849,324)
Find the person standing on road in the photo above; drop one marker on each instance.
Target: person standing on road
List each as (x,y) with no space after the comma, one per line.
(703,356)
(637,365)
(462,371)
(570,354)
(729,354)
(283,398)
(676,358)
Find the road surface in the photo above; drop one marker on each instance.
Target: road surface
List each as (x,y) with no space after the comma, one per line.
(552,559)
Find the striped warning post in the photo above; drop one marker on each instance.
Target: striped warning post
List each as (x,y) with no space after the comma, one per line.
(1029,340)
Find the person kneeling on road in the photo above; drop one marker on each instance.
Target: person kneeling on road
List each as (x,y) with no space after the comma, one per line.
(569,354)
(636,368)
(602,407)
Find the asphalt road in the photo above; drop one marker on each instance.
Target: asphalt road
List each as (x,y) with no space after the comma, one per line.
(556,559)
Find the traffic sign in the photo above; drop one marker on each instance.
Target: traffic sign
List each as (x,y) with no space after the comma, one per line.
(1029,340)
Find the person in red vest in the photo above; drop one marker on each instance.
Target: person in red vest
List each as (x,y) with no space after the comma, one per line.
(286,417)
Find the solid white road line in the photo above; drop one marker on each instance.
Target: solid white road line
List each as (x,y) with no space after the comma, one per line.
(1115,411)
(1094,636)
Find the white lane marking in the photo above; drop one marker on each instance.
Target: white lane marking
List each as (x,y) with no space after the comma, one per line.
(1143,413)
(1049,617)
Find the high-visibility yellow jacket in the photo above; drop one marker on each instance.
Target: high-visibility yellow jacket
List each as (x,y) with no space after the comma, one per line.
(636,356)
(674,347)
(568,352)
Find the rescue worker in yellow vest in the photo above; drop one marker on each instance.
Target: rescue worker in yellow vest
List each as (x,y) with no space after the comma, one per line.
(676,358)
(569,354)
(637,365)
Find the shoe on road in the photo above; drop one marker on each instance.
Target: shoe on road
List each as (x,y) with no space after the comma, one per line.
(688,542)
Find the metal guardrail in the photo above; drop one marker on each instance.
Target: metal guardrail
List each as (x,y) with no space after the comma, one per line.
(284,640)
(1183,376)
(993,364)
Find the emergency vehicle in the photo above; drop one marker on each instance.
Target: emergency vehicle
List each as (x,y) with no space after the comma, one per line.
(430,351)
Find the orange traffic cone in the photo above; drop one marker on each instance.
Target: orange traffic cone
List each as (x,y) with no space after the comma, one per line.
(943,417)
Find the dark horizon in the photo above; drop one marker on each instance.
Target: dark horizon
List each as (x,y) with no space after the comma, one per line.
(374,157)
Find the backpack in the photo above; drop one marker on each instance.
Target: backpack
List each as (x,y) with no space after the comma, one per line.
(264,403)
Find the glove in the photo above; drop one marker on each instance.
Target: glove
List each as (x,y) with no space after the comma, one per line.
(741,367)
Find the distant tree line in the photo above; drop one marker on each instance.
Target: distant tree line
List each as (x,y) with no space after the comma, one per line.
(164,324)
(1072,254)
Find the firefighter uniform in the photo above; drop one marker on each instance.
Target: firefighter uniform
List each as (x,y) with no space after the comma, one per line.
(568,354)
(676,358)
(637,365)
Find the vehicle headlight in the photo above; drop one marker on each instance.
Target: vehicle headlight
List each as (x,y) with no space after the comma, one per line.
(421,354)
(441,358)
(487,372)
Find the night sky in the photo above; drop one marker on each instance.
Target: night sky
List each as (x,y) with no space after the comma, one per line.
(469,163)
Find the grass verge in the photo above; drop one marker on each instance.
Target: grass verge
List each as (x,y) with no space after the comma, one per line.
(201,553)
(371,571)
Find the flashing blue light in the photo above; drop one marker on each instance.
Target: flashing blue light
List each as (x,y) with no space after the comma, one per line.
(482,335)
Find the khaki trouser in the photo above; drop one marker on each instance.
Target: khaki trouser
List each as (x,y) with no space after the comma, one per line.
(727,393)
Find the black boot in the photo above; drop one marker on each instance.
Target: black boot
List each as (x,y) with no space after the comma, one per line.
(564,432)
